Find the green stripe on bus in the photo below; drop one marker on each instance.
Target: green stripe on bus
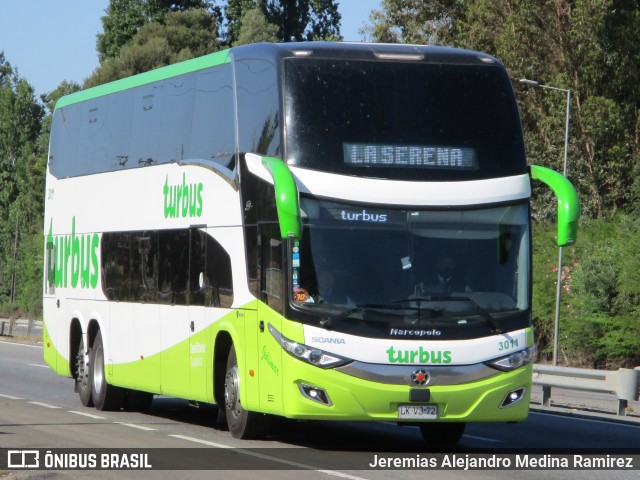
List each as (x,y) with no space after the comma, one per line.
(170,71)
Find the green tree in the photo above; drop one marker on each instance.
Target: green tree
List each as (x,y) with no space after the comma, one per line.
(577,45)
(415,21)
(297,20)
(255,28)
(22,167)
(125,18)
(233,15)
(593,49)
(182,36)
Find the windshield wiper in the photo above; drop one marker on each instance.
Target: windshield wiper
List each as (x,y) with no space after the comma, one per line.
(483,312)
(327,322)
(446,298)
(419,307)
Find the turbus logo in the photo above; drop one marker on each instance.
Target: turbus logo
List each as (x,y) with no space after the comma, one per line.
(182,200)
(363,216)
(72,260)
(419,356)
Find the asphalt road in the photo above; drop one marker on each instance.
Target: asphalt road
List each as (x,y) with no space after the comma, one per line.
(40,410)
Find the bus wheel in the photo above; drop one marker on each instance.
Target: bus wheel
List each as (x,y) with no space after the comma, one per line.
(442,433)
(242,423)
(105,396)
(83,383)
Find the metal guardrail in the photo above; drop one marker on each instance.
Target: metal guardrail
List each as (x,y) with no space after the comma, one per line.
(8,327)
(624,382)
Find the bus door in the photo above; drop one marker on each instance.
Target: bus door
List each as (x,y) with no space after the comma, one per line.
(199,348)
(272,283)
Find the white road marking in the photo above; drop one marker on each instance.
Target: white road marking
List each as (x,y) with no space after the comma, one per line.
(41,404)
(21,344)
(484,439)
(139,427)
(10,397)
(38,365)
(199,440)
(85,414)
(332,473)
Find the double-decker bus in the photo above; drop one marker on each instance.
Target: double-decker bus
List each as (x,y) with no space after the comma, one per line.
(317,231)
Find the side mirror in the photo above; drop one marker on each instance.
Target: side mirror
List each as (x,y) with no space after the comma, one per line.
(276,172)
(568,203)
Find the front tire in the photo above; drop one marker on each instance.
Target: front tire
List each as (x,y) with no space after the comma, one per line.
(242,423)
(105,396)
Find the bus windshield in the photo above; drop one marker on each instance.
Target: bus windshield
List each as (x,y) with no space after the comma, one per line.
(439,266)
(411,121)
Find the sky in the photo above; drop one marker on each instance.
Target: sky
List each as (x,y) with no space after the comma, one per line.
(49,41)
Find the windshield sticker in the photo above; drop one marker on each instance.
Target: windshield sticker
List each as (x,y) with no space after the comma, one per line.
(300,295)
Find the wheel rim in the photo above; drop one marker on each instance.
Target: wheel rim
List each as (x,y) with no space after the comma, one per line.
(232,390)
(82,368)
(98,370)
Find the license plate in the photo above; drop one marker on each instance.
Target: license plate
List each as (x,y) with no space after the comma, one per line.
(417,412)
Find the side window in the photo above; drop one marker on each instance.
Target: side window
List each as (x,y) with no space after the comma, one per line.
(210,278)
(144,267)
(175,267)
(116,265)
(258,107)
(173,275)
(65,136)
(199,281)
(176,118)
(272,275)
(147,116)
(92,154)
(219,271)
(213,126)
(50,267)
(117,133)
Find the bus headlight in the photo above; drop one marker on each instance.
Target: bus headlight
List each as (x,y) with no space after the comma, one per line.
(314,356)
(514,360)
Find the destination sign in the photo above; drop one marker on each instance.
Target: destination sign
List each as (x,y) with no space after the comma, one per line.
(409,156)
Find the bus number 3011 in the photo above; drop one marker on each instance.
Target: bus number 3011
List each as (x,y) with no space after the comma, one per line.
(507,344)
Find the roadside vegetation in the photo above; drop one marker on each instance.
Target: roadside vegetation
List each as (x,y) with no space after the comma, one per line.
(590,48)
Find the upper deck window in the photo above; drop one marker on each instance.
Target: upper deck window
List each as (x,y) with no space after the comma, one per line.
(412,121)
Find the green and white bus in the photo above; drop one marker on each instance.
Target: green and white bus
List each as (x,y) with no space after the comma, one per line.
(317,231)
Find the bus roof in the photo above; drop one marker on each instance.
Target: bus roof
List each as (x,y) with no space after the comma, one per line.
(151,76)
(276,51)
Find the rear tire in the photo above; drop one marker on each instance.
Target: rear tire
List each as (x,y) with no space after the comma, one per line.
(83,381)
(105,396)
(442,433)
(242,423)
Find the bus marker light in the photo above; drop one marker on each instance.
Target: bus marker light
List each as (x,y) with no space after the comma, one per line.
(513,397)
(251,373)
(315,393)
